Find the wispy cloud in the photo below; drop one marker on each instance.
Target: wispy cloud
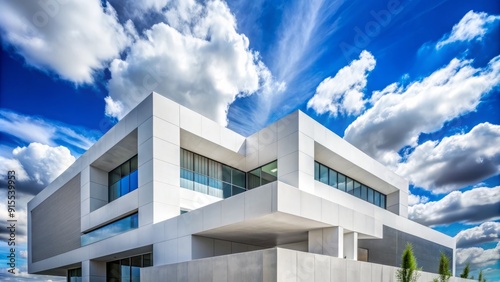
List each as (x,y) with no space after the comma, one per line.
(473,26)
(298,37)
(29,129)
(473,206)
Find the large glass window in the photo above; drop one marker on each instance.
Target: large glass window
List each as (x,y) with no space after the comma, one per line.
(338,180)
(207,176)
(128,269)
(114,228)
(74,275)
(265,174)
(123,179)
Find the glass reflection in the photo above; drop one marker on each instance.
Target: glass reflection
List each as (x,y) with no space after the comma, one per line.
(337,180)
(110,230)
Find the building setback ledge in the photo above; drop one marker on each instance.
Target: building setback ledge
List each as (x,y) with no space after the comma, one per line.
(274,214)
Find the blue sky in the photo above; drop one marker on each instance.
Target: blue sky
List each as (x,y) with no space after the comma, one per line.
(414,84)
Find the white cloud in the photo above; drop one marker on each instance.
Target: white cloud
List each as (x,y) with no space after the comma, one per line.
(36,165)
(71,38)
(42,162)
(196,58)
(456,161)
(417,199)
(473,26)
(473,206)
(478,257)
(343,93)
(486,232)
(297,47)
(35,129)
(401,113)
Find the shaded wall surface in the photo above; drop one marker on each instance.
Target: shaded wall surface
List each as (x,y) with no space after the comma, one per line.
(388,250)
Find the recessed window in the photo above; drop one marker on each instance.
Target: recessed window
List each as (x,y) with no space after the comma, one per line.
(123,179)
(265,174)
(207,176)
(114,228)
(342,182)
(74,275)
(128,269)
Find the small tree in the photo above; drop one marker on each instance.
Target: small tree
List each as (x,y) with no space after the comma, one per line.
(481,278)
(444,268)
(465,272)
(408,271)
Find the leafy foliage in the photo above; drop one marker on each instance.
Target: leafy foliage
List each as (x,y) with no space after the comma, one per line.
(465,272)
(409,270)
(481,278)
(444,268)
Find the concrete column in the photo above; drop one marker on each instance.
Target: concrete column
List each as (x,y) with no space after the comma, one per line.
(327,241)
(351,246)
(93,271)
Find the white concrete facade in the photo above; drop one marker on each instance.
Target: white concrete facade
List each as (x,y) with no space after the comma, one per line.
(294,213)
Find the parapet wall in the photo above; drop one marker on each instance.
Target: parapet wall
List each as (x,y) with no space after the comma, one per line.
(277,264)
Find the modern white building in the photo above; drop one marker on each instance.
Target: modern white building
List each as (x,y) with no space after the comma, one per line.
(169,195)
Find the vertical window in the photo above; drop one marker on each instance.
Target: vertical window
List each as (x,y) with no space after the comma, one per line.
(357,189)
(127,269)
(349,185)
(316,171)
(265,174)
(323,174)
(341,183)
(238,178)
(123,179)
(364,192)
(74,275)
(269,173)
(332,179)
(376,198)
(370,195)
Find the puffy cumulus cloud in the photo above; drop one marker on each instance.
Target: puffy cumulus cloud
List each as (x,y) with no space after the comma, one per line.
(478,257)
(486,232)
(417,199)
(42,162)
(473,26)
(401,113)
(196,58)
(36,129)
(36,165)
(473,206)
(343,92)
(456,161)
(58,35)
